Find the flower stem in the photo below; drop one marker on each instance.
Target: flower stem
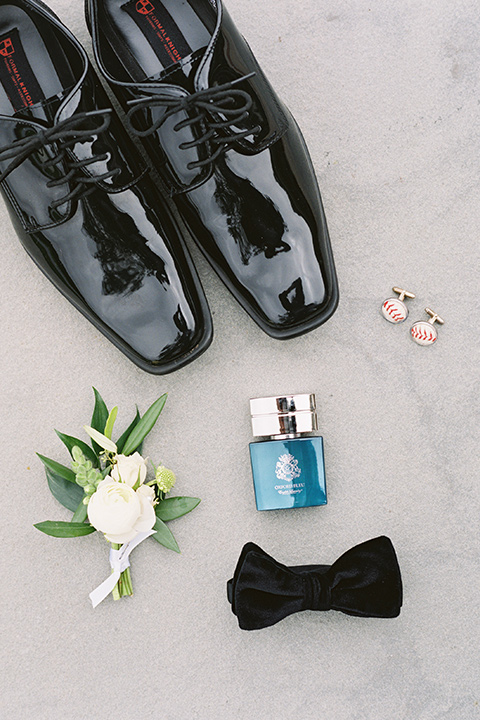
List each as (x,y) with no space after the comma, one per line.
(116,589)
(124,585)
(127,582)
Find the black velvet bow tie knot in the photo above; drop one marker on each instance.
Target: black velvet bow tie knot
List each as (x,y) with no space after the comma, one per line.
(365,581)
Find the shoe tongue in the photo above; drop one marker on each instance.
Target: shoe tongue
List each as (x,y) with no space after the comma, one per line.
(181,74)
(45,110)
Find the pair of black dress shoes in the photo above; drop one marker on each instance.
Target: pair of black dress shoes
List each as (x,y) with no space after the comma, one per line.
(226,149)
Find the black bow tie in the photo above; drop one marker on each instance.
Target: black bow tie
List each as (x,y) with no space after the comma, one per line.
(365,581)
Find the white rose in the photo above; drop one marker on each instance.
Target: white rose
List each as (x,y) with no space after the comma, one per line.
(147,519)
(128,468)
(121,513)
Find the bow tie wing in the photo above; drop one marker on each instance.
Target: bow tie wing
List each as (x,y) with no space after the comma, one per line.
(263,591)
(366,581)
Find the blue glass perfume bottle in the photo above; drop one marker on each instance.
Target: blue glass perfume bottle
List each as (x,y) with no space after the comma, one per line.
(287,465)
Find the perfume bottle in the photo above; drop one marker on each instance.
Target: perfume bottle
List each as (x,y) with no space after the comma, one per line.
(287,465)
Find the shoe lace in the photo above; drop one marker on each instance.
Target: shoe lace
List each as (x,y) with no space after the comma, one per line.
(203,108)
(63,136)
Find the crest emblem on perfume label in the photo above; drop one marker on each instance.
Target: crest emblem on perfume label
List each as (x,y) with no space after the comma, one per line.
(287,468)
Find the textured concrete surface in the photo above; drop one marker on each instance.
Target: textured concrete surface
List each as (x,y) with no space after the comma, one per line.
(387,95)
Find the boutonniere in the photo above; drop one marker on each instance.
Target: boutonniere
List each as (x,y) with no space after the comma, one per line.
(110,487)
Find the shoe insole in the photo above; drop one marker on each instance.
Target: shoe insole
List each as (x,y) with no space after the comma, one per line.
(29,62)
(151,36)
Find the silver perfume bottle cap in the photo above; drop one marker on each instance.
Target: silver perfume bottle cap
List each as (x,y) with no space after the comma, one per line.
(283,415)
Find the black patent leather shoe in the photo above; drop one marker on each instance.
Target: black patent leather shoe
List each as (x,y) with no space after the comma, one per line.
(228,152)
(81,202)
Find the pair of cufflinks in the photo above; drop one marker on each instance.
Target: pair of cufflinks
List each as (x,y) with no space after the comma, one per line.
(395,311)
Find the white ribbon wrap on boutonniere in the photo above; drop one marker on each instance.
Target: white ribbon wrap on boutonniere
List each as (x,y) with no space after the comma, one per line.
(119,562)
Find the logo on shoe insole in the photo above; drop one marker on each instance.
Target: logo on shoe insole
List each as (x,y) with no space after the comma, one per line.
(160,29)
(6,47)
(16,75)
(144,7)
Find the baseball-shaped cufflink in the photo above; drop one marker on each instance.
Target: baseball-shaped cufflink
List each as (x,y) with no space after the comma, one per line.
(394,309)
(424,332)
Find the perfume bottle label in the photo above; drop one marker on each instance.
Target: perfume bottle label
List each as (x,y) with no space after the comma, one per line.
(288,473)
(287,469)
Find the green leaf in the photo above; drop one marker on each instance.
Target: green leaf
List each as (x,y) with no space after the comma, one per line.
(164,536)
(70,495)
(99,417)
(70,442)
(65,529)
(123,437)
(110,422)
(145,424)
(100,439)
(175,507)
(57,468)
(80,514)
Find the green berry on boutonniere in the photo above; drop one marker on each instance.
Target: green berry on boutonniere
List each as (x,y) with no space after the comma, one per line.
(86,475)
(164,478)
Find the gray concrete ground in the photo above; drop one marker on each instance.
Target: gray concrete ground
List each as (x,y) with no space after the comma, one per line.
(388,98)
